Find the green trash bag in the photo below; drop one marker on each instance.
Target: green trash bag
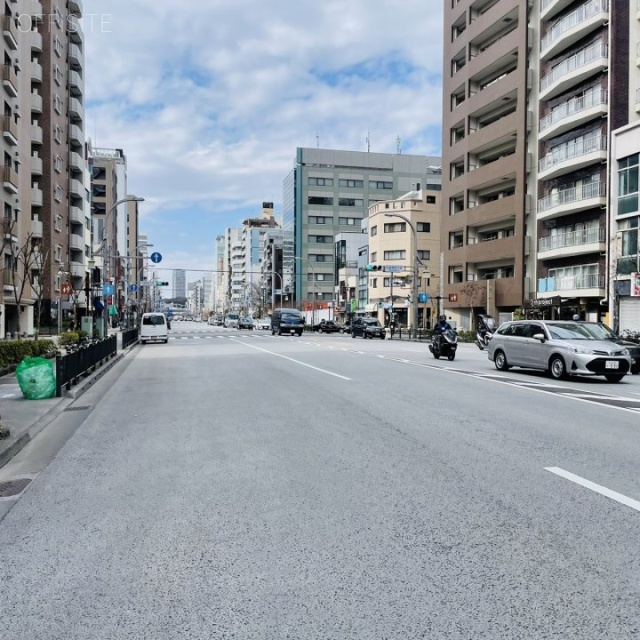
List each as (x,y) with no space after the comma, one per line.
(36,378)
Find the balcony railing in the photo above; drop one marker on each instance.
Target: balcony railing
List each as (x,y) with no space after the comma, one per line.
(575,194)
(571,283)
(580,59)
(566,152)
(573,106)
(573,19)
(572,239)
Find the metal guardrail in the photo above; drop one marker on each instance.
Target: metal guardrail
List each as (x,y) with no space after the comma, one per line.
(76,364)
(129,337)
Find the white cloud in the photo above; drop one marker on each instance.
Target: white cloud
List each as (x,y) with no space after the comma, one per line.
(210,100)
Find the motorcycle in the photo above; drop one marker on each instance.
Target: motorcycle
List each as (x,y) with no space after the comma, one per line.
(485,329)
(444,344)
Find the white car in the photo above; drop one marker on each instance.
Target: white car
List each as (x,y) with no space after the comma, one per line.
(264,323)
(231,320)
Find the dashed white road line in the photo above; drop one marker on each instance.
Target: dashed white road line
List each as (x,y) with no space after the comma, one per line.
(614,495)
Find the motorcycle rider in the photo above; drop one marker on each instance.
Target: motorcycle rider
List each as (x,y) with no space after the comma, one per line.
(441,326)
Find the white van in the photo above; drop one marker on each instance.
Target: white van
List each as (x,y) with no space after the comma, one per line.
(154,326)
(231,320)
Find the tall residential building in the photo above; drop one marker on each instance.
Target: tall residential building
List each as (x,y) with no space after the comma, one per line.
(487,214)
(46,240)
(329,192)
(532,92)
(219,276)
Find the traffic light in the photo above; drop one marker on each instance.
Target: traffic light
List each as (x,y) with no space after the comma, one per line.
(162,283)
(374,267)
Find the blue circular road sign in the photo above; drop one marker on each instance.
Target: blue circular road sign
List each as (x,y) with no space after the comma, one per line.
(156,257)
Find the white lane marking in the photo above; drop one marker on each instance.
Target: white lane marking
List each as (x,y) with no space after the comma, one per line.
(304,364)
(614,495)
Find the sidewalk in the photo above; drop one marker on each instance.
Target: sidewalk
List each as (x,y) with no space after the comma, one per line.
(26,418)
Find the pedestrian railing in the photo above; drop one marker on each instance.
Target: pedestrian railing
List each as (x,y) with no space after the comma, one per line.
(129,337)
(82,361)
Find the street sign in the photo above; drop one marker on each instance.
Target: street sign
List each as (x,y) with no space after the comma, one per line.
(147,283)
(65,288)
(156,257)
(394,268)
(423,297)
(134,288)
(107,289)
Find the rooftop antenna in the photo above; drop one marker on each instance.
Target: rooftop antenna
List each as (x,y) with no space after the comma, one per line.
(317,140)
(398,148)
(368,142)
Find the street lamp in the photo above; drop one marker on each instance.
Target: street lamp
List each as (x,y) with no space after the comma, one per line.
(314,300)
(105,279)
(414,302)
(273,294)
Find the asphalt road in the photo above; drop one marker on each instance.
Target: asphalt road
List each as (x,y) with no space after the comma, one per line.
(238,485)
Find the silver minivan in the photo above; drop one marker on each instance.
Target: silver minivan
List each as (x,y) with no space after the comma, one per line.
(562,348)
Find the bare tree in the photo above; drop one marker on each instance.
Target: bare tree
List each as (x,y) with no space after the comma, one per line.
(37,283)
(471,293)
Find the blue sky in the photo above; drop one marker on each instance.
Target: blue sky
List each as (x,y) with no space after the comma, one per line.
(210,98)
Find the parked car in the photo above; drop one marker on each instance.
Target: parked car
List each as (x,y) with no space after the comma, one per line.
(562,348)
(329,326)
(367,328)
(246,322)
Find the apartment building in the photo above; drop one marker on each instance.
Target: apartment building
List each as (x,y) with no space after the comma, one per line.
(329,192)
(404,243)
(487,216)
(558,76)
(179,283)
(46,244)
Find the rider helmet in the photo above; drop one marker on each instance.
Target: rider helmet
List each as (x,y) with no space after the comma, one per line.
(442,318)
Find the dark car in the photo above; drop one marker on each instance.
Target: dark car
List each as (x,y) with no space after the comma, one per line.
(329,326)
(245,322)
(367,328)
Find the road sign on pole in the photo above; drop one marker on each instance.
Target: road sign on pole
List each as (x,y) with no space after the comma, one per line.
(394,268)
(156,257)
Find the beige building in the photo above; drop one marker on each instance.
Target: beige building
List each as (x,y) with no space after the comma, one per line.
(404,235)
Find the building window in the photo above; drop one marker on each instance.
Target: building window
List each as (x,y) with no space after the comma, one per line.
(321,182)
(320,220)
(351,202)
(320,239)
(57,225)
(374,231)
(395,255)
(351,184)
(57,74)
(628,184)
(423,254)
(57,134)
(425,227)
(380,184)
(57,163)
(395,227)
(320,200)
(351,222)
(57,104)
(57,193)
(431,200)
(58,253)
(318,257)
(374,256)
(57,45)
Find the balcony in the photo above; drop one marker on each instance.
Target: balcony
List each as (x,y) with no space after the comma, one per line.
(572,243)
(76,188)
(10,32)
(585,285)
(78,270)
(37,135)
(75,56)
(10,80)
(561,203)
(76,215)
(37,228)
(36,72)
(36,197)
(76,162)
(76,242)
(36,42)
(10,130)
(76,110)
(574,70)
(9,180)
(37,166)
(74,29)
(571,157)
(574,113)
(75,135)
(550,8)
(573,27)
(36,103)
(75,7)
(75,83)
(36,12)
